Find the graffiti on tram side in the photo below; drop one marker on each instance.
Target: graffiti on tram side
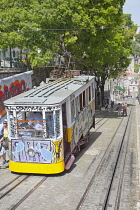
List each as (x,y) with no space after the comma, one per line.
(83,123)
(12,86)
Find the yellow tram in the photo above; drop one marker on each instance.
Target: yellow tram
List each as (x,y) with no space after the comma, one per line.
(48,124)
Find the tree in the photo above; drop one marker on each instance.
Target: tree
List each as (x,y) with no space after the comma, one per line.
(136,45)
(137,38)
(29,24)
(96,33)
(136,67)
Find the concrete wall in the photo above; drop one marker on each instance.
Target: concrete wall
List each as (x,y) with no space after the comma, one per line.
(12,86)
(8,73)
(37,77)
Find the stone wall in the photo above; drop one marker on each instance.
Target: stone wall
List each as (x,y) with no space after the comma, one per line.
(8,73)
(38,76)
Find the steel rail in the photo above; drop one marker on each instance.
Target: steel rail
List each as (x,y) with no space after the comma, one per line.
(12,188)
(28,194)
(83,198)
(115,168)
(2,188)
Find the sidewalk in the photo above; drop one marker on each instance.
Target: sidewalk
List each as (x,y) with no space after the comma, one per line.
(135,132)
(138,143)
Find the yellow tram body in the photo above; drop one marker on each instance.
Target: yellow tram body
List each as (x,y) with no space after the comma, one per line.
(65,113)
(37,167)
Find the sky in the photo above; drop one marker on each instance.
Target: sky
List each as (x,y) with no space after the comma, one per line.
(133,7)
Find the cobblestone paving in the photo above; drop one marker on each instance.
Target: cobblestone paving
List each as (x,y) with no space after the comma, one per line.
(64,191)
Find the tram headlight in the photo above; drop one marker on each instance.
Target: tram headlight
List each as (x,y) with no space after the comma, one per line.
(31,152)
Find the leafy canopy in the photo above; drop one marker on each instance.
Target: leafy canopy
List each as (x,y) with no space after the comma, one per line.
(93,27)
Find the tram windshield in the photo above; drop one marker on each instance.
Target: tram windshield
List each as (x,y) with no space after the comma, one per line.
(30,124)
(33,125)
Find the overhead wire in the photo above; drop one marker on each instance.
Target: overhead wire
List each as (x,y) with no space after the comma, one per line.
(71,29)
(58,29)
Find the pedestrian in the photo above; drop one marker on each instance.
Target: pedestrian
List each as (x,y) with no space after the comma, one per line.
(106,107)
(112,104)
(5,140)
(3,155)
(2,149)
(107,100)
(119,108)
(1,127)
(124,107)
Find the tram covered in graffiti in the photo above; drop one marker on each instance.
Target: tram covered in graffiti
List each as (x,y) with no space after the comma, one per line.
(65,113)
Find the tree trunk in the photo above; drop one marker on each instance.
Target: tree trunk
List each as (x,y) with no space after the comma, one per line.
(10,57)
(97,96)
(102,90)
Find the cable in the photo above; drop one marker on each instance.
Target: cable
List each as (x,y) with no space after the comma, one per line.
(71,29)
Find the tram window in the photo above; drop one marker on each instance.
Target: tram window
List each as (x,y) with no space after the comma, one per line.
(81,105)
(77,106)
(32,127)
(57,123)
(72,110)
(49,124)
(84,98)
(12,124)
(93,90)
(64,115)
(89,93)
(87,96)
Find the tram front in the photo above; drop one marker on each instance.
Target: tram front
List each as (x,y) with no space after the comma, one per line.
(36,139)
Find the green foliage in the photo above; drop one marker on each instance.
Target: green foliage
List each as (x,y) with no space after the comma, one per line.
(136,49)
(137,37)
(136,67)
(29,24)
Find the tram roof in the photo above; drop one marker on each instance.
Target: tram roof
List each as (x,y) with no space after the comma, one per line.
(51,93)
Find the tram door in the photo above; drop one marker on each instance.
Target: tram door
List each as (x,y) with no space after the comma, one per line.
(65,132)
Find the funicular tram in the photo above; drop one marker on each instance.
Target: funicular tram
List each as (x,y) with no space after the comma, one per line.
(48,144)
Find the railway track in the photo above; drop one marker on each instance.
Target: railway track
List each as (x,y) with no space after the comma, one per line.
(20,180)
(6,189)
(28,194)
(107,167)
(109,197)
(30,183)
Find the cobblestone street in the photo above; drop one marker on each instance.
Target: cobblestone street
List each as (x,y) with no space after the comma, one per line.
(90,174)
